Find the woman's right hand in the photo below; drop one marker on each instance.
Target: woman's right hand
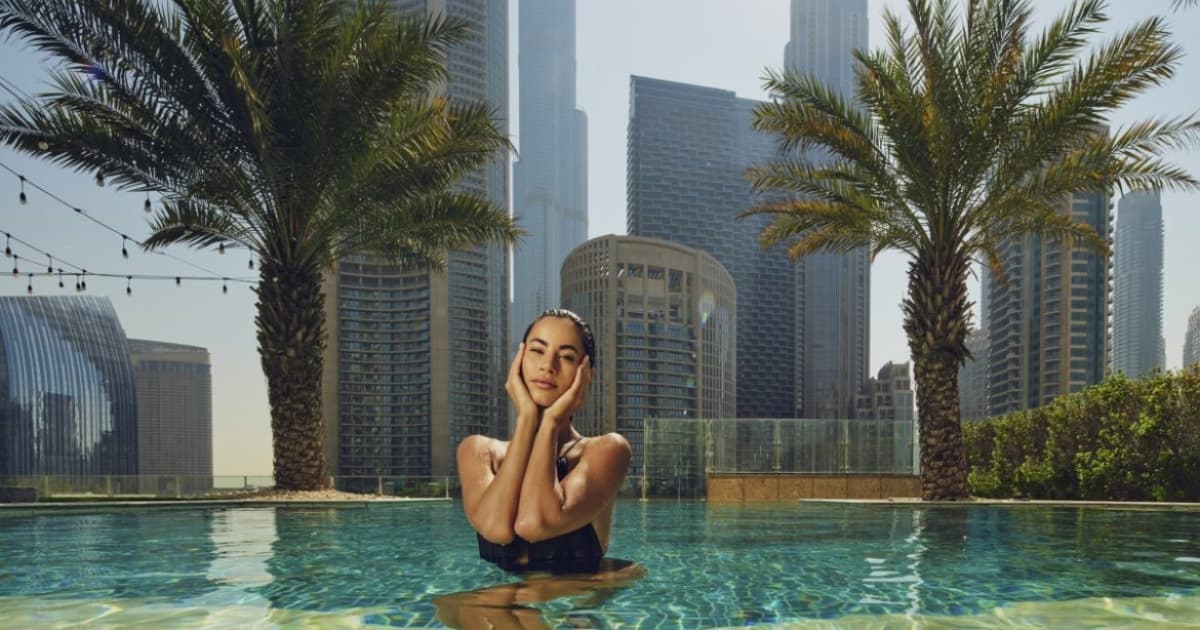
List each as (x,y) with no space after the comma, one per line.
(517,392)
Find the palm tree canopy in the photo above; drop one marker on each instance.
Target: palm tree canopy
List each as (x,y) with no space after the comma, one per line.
(296,128)
(967,131)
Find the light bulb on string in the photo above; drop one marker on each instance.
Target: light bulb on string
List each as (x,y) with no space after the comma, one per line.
(7,245)
(146,206)
(29,289)
(43,145)
(177,280)
(83,282)
(224,286)
(221,248)
(22,197)
(251,265)
(128,285)
(124,252)
(100,178)
(60,279)
(49,264)
(16,259)
(77,287)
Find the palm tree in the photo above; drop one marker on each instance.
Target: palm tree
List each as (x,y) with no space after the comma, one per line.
(299,129)
(965,133)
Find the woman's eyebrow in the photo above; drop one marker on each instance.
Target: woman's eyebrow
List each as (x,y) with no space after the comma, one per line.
(565,346)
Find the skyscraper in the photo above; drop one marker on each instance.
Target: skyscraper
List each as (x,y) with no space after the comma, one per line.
(1138,285)
(832,289)
(973,399)
(688,149)
(68,403)
(1049,322)
(174,401)
(416,361)
(1191,339)
(664,317)
(550,176)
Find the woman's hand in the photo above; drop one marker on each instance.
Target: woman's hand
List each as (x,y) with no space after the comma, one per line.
(517,392)
(562,409)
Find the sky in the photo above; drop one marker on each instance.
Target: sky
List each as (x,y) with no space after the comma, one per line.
(723,44)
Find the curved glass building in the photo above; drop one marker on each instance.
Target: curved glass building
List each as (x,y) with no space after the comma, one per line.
(67,397)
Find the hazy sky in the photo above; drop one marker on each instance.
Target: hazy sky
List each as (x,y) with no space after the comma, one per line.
(717,43)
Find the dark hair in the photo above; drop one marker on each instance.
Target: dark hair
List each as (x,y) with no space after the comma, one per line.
(585,331)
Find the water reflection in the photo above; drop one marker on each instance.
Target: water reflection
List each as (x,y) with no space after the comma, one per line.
(510,605)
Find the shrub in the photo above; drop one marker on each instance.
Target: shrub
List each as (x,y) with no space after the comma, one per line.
(1122,439)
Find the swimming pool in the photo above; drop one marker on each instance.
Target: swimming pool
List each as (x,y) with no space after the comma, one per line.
(707,566)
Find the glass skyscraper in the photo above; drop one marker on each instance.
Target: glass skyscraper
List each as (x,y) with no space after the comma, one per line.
(1191,339)
(174,396)
(688,147)
(1138,345)
(68,403)
(416,361)
(833,290)
(550,176)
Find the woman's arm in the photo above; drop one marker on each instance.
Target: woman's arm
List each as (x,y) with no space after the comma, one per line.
(490,497)
(550,507)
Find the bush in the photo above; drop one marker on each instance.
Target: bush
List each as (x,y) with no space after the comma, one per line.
(1123,439)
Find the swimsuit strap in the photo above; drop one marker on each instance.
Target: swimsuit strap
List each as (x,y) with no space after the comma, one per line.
(570,446)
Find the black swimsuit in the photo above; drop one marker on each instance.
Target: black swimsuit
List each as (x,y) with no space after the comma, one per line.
(578,551)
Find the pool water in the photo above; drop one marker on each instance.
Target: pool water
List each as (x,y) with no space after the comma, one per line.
(819,564)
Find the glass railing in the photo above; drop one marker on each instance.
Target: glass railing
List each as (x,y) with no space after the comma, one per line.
(219,487)
(677,454)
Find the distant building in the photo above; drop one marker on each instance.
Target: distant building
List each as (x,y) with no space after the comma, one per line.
(1137,338)
(1191,339)
(802,333)
(1049,321)
(68,404)
(416,361)
(174,399)
(972,379)
(664,317)
(891,395)
(550,176)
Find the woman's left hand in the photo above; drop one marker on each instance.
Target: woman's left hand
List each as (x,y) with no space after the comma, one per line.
(561,410)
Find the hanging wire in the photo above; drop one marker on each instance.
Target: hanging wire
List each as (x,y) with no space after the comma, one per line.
(83,213)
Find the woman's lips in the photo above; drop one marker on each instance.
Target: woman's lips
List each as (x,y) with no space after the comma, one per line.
(544,384)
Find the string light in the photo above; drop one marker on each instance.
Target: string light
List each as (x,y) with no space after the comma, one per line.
(22,197)
(100,178)
(29,289)
(16,259)
(49,264)
(146,206)
(221,248)
(7,245)
(60,279)
(212,275)
(251,264)
(128,285)
(224,287)
(176,280)
(124,252)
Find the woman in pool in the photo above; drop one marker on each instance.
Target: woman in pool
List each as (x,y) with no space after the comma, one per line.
(543,500)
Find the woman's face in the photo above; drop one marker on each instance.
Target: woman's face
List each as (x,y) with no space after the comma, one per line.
(553,352)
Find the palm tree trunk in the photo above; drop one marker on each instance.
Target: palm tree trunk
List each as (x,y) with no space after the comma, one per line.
(936,323)
(291,325)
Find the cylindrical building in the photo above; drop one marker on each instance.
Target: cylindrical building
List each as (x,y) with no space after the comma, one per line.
(664,319)
(67,399)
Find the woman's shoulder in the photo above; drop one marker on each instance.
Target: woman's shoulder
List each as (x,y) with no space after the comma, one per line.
(482,445)
(610,444)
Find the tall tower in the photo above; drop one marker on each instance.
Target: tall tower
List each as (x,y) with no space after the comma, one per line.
(688,148)
(1191,339)
(1138,285)
(833,291)
(415,361)
(174,408)
(550,176)
(1049,321)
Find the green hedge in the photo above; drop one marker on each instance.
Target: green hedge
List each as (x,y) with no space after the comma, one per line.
(1133,440)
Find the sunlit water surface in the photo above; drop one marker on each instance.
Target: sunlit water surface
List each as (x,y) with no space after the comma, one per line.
(824,565)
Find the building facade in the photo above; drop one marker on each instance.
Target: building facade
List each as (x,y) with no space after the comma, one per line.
(1138,345)
(891,395)
(1049,322)
(832,294)
(664,316)
(1191,339)
(174,408)
(550,177)
(415,361)
(973,401)
(69,405)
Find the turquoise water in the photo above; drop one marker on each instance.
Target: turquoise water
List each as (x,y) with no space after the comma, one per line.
(706,566)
